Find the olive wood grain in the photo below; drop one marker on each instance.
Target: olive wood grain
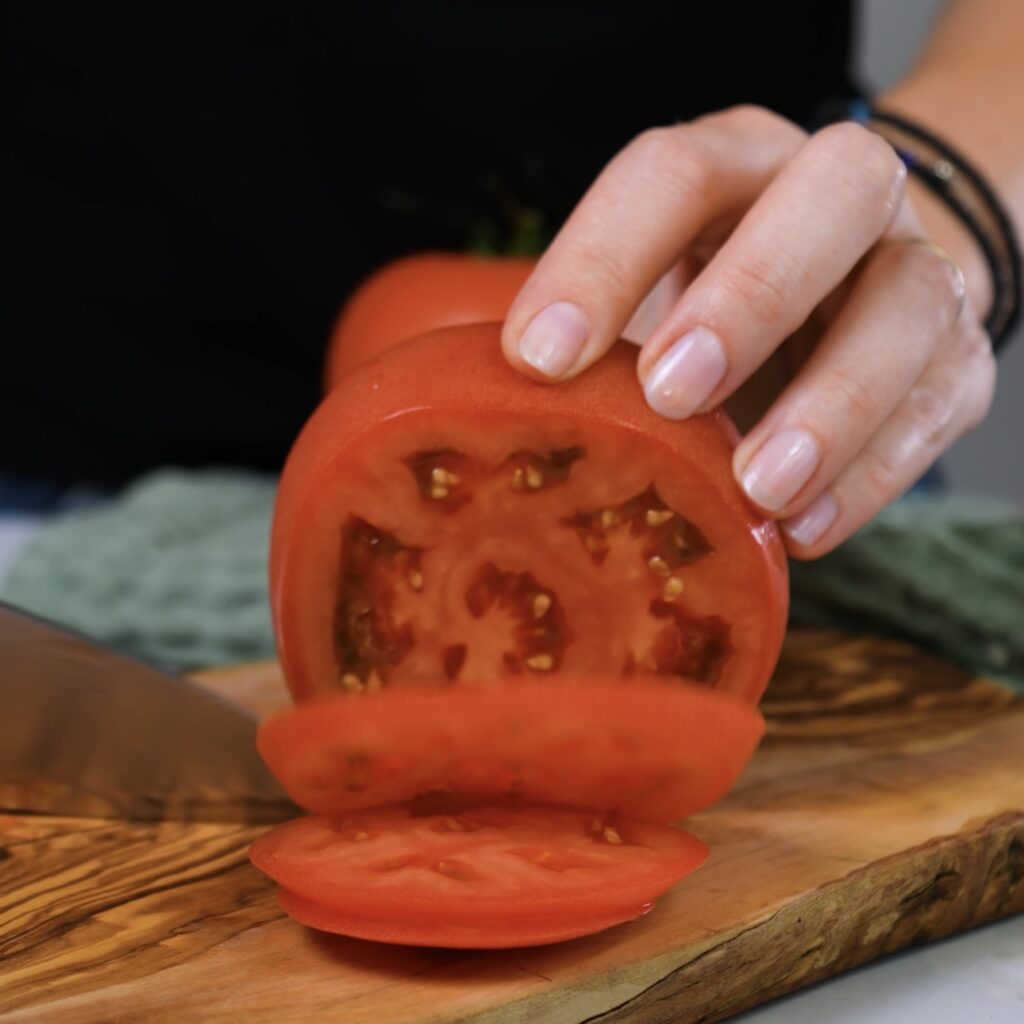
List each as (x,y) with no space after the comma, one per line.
(885,808)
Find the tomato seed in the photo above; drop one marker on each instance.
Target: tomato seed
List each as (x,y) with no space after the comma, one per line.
(611,835)
(658,516)
(415,579)
(673,588)
(658,565)
(457,869)
(352,683)
(541,662)
(541,604)
(518,480)
(534,478)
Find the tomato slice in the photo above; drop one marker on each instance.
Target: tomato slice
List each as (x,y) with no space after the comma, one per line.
(490,876)
(642,748)
(417,294)
(442,520)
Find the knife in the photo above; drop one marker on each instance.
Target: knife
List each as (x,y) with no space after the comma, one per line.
(86,731)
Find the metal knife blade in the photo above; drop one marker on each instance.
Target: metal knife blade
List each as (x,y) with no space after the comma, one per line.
(87,731)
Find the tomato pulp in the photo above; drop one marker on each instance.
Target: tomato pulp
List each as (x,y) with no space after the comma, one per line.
(488,877)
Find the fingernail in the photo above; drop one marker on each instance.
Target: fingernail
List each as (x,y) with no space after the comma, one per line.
(808,527)
(685,376)
(780,469)
(554,338)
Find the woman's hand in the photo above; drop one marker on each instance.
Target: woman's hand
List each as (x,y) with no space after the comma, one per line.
(762,267)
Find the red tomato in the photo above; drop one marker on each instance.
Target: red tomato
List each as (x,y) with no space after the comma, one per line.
(442,520)
(489,877)
(418,294)
(643,748)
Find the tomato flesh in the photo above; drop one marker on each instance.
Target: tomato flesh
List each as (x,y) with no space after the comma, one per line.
(505,815)
(489,875)
(636,747)
(443,520)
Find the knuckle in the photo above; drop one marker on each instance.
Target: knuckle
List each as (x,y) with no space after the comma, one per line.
(605,266)
(759,287)
(753,118)
(985,372)
(859,150)
(930,408)
(853,401)
(881,474)
(972,370)
(938,280)
(677,151)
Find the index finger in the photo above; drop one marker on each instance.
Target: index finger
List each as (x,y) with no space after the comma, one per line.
(652,201)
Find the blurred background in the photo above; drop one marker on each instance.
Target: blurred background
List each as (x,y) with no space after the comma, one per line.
(987,460)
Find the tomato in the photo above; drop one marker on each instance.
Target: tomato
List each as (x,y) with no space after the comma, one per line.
(418,294)
(638,747)
(491,876)
(443,520)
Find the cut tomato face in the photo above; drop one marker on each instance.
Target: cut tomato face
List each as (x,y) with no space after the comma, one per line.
(443,520)
(641,748)
(489,876)
(417,294)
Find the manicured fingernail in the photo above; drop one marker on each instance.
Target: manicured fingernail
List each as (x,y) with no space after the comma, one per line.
(808,527)
(554,338)
(685,376)
(780,469)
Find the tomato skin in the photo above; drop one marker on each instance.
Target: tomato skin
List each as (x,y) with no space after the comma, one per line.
(493,877)
(461,374)
(650,749)
(452,935)
(416,295)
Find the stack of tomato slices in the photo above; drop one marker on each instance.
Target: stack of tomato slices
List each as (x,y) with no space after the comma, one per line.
(527,629)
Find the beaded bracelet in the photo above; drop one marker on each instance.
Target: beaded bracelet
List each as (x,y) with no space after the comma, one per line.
(948,175)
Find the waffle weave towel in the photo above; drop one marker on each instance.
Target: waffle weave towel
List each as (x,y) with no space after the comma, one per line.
(174,569)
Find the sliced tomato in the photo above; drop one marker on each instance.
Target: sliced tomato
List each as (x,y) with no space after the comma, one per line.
(442,519)
(417,294)
(490,876)
(641,748)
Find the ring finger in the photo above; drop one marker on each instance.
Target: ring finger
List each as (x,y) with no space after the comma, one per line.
(951,396)
(902,305)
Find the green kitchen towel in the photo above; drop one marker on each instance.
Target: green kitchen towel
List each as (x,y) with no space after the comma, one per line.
(174,570)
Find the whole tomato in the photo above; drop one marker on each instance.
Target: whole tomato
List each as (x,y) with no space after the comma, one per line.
(417,294)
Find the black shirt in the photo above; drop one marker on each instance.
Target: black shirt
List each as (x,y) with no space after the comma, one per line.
(191,190)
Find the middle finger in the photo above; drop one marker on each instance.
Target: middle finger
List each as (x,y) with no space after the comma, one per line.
(804,235)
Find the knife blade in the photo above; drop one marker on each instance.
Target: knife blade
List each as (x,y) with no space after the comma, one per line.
(87,731)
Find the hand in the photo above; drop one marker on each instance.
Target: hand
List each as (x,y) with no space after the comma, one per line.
(788,267)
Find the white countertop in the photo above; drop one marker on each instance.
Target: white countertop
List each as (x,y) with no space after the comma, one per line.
(977,978)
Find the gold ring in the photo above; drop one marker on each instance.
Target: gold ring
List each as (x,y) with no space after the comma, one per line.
(958,274)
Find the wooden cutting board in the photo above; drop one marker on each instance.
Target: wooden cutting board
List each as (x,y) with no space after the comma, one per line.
(885,808)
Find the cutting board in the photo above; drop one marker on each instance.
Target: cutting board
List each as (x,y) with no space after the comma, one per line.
(885,808)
